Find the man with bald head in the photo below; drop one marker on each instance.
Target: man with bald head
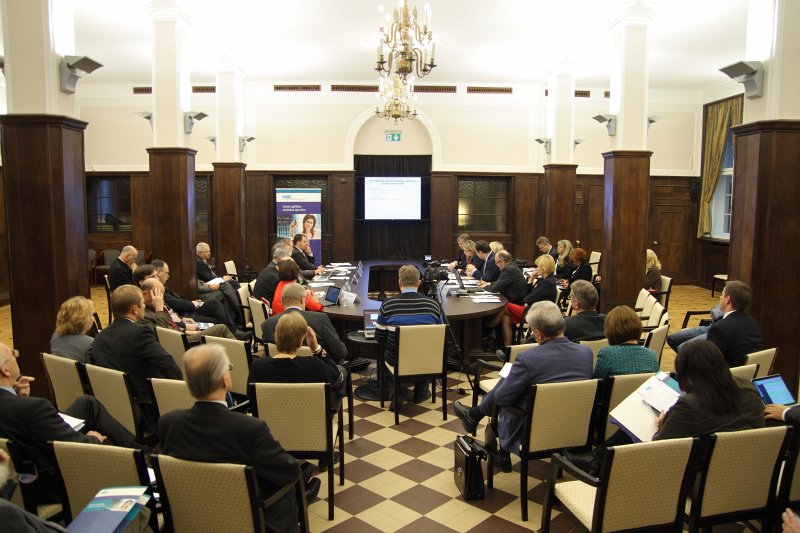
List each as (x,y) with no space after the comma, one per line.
(209,432)
(120,271)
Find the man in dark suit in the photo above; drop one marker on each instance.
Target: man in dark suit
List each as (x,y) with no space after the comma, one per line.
(294,301)
(737,333)
(267,279)
(511,282)
(120,271)
(543,243)
(31,422)
(133,348)
(585,323)
(490,270)
(209,432)
(223,291)
(556,359)
(304,257)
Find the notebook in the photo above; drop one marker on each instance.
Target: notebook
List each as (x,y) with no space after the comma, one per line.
(462,288)
(331,296)
(369,323)
(772,389)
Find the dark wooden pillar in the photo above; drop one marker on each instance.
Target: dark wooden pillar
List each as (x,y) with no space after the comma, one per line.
(765,229)
(142,228)
(342,191)
(173,220)
(45,198)
(229,215)
(5,288)
(625,226)
(444,209)
(559,201)
(527,218)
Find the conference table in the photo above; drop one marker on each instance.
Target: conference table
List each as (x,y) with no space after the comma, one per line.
(379,276)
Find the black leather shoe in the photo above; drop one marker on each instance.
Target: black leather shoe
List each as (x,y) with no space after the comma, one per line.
(470,425)
(323,463)
(421,396)
(585,461)
(307,470)
(312,489)
(502,460)
(243,335)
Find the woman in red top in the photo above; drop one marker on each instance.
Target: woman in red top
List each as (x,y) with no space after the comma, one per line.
(288,271)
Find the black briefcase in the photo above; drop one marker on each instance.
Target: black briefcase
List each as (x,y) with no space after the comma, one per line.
(468,474)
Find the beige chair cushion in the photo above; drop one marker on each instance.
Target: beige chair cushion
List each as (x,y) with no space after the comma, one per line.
(296,414)
(579,497)
(421,350)
(171,394)
(561,414)
(108,386)
(64,379)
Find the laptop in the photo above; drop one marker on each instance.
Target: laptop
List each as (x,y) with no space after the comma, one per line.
(331,296)
(369,323)
(773,389)
(462,288)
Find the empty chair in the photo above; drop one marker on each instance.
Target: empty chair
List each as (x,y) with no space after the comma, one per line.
(640,300)
(174,342)
(104,260)
(666,290)
(230,269)
(617,501)
(764,358)
(594,262)
(243,293)
(66,379)
(747,372)
(169,395)
(655,340)
(649,302)
(113,389)
(259,312)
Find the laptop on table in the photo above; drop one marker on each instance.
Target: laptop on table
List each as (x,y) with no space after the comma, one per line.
(369,323)
(331,296)
(462,289)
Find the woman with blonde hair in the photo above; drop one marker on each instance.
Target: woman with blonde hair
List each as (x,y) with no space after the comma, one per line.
(74,319)
(652,269)
(496,246)
(563,265)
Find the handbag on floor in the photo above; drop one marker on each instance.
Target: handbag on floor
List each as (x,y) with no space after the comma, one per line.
(468,473)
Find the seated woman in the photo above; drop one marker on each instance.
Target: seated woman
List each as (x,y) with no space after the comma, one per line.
(471,255)
(287,273)
(652,268)
(622,328)
(539,289)
(563,265)
(496,246)
(714,401)
(73,321)
(581,269)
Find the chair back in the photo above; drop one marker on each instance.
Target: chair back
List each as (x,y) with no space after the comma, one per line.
(174,342)
(617,389)
(557,298)
(641,299)
(109,254)
(741,473)
(87,468)
(649,302)
(596,346)
(420,349)
(16,497)
(627,506)
(304,427)
(112,389)
(666,290)
(169,395)
(764,358)
(243,292)
(594,262)
(239,355)
(656,339)
(516,349)
(251,286)
(65,377)
(232,505)
(272,350)
(230,268)
(561,415)
(654,318)
(746,372)
(259,314)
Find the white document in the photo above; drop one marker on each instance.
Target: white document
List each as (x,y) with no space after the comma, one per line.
(75,423)
(339,277)
(339,264)
(637,414)
(215,281)
(320,283)
(505,370)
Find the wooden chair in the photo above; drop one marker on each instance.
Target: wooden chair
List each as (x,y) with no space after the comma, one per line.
(747,372)
(300,418)
(25,496)
(740,478)
(103,261)
(764,358)
(617,501)
(557,416)
(113,389)
(614,390)
(420,354)
(67,379)
(84,469)
(234,504)
(169,395)
(595,345)
(241,358)
(230,269)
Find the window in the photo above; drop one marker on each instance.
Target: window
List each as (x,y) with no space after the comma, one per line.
(108,204)
(722,200)
(482,204)
(202,204)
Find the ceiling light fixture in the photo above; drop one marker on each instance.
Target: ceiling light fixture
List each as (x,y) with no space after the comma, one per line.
(396,99)
(404,46)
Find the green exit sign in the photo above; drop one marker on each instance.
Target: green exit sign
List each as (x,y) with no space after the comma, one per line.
(392,136)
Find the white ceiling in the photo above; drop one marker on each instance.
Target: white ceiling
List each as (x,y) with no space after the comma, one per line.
(497,43)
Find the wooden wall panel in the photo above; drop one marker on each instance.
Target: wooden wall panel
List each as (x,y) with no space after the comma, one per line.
(230,215)
(673,214)
(142,227)
(342,213)
(259,220)
(559,216)
(528,219)
(444,214)
(713,256)
(589,208)
(5,285)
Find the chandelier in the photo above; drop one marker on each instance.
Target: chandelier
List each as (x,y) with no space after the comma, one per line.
(396,99)
(405,47)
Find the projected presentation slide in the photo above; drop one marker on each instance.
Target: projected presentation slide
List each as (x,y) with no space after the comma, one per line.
(388,198)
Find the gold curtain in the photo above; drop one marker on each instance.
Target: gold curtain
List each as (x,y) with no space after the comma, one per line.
(719,117)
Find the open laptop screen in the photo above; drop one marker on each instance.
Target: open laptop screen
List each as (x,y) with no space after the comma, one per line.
(332,294)
(772,389)
(369,318)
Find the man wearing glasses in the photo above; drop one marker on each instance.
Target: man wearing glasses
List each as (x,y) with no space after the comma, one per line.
(31,422)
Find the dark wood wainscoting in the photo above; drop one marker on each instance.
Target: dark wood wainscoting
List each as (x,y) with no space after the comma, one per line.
(673,222)
(589,207)
(5,284)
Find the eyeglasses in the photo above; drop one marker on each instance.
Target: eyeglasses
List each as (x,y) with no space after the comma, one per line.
(15,353)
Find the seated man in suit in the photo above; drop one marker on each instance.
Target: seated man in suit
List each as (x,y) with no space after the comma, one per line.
(698,333)
(131,347)
(544,246)
(736,334)
(120,271)
(556,359)
(31,422)
(158,313)
(268,279)
(511,282)
(209,432)
(294,301)
(490,272)
(304,257)
(585,323)
(208,290)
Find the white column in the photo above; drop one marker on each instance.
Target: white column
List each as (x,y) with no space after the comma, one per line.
(561,112)
(172,89)
(230,110)
(630,75)
(36,35)
(773,39)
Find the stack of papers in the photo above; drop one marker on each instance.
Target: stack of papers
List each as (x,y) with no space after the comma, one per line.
(484,297)
(75,423)
(637,414)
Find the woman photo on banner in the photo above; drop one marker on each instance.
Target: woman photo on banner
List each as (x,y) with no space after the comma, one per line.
(309,225)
